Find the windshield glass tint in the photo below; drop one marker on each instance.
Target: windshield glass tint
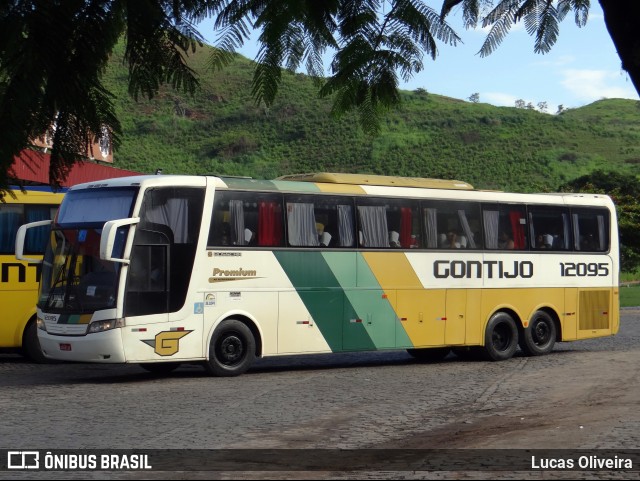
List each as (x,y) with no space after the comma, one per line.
(74,278)
(95,206)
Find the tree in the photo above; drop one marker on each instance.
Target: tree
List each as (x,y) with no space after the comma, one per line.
(520,104)
(52,53)
(474,97)
(542,106)
(542,18)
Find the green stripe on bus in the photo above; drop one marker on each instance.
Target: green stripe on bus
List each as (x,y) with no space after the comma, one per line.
(345,299)
(323,295)
(249,184)
(296,186)
(269,185)
(385,328)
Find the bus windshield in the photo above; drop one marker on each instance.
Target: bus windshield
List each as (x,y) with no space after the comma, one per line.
(74,278)
(95,206)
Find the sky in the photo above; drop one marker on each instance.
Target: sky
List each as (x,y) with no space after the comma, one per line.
(582,67)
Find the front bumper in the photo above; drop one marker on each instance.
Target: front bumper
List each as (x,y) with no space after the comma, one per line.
(105,347)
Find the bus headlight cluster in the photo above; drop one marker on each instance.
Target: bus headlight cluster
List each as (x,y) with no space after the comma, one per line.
(41,324)
(106,325)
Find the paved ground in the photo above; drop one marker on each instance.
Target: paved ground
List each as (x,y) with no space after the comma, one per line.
(584,395)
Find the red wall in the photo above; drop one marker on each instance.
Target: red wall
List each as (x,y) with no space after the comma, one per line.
(33,166)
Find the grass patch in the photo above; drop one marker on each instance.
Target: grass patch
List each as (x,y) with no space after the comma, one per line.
(629,296)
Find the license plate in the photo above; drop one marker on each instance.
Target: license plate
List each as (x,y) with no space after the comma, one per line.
(65,347)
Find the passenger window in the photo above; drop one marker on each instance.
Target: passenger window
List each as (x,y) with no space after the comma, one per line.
(504,227)
(590,230)
(320,221)
(388,224)
(243,219)
(452,225)
(550,228)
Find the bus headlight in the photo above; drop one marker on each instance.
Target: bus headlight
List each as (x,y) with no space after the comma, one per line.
(41,325)
(106,325)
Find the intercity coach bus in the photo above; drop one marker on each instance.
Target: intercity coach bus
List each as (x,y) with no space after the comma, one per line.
(18,279)
(163,270)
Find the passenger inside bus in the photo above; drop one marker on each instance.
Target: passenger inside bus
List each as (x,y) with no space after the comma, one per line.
(544,241)
(455,240)
(506,241)
(394,239)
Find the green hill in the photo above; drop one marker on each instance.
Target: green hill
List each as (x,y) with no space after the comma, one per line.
(221,130)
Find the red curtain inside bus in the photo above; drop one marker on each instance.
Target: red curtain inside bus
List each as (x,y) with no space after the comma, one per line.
(405,227)
(518,229)
(269,224)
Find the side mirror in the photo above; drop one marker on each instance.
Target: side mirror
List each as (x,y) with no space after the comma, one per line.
(22,235)
(108,238)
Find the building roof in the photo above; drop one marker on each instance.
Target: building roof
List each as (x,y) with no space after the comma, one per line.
(32,167)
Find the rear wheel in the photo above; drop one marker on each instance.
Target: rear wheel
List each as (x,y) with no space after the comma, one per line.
(430,354)
(31,345)
(501,337)
(540,336)
(232,349)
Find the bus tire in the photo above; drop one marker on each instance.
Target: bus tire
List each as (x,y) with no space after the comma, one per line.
(540,336)
(160,368)
(232,349)
(432,354)
(31,345)
(501,337)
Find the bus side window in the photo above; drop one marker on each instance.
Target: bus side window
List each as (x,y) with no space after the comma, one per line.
(505,227)
(388,223)
(319,221)
(590,230)
(549,228)
(243,219)
(11,217)
(451,225)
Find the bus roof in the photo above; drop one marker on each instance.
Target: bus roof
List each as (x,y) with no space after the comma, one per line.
(382,180)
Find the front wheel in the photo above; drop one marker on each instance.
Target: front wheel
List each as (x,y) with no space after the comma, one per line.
(501,337)
(540,336)
(232,349)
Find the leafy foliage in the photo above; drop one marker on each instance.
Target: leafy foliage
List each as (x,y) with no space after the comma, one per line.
(372,46)
(221,130)
(541,19)
(52,57)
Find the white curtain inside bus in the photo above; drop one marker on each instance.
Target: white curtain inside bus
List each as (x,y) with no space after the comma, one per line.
(373,222)
(301,225)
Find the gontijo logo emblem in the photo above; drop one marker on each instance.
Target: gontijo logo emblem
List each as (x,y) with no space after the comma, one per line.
(167,343)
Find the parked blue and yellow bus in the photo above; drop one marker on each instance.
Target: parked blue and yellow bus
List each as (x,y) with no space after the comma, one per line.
(19,279)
